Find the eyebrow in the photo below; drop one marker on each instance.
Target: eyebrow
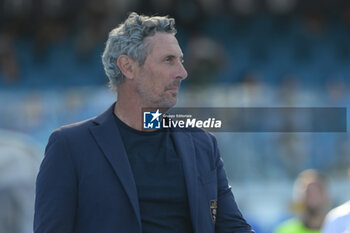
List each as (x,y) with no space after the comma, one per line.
(173,56)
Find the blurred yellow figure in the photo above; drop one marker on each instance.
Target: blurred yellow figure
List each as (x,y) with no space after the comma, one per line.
(311,203)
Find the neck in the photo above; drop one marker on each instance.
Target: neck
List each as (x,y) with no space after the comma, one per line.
(130,105)
(129,108)
(129,111)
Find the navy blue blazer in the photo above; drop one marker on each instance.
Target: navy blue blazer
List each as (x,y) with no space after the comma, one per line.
(85,183)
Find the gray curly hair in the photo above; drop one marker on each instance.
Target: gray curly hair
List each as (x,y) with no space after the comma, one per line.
(128,38)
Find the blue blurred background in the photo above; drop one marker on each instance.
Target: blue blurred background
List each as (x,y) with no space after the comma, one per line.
(239,53)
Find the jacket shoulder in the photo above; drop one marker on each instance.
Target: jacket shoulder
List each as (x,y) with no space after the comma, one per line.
(77,126)
(74,131)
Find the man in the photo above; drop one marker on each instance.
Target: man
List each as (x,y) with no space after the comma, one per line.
(311,203)
(106,175)
(338,219)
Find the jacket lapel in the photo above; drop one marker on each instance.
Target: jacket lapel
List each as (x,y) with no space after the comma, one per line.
(107,136)
(185,148)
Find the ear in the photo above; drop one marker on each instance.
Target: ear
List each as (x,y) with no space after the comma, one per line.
(126,66)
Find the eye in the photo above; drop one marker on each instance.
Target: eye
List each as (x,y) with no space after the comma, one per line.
(172,59)
(169,58)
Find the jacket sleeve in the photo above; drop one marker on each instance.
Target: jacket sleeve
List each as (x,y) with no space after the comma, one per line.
(56,189)
(229,218)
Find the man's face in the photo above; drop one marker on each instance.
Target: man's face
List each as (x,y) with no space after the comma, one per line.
(158,80)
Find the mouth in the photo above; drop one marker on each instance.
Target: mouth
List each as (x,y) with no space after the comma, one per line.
(173,91)
(175,87)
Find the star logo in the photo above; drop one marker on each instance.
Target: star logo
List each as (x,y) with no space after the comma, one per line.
(156,115)
(151,120)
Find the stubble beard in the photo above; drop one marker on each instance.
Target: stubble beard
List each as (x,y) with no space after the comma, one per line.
(163,100)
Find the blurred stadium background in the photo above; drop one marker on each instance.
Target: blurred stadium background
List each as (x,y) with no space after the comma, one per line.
(239,53)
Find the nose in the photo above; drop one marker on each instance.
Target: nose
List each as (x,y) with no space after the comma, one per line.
(182,73)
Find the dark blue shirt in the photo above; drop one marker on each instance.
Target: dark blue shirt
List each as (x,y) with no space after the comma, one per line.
(159,179)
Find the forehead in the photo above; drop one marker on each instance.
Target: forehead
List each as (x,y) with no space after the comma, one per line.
(163,44)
